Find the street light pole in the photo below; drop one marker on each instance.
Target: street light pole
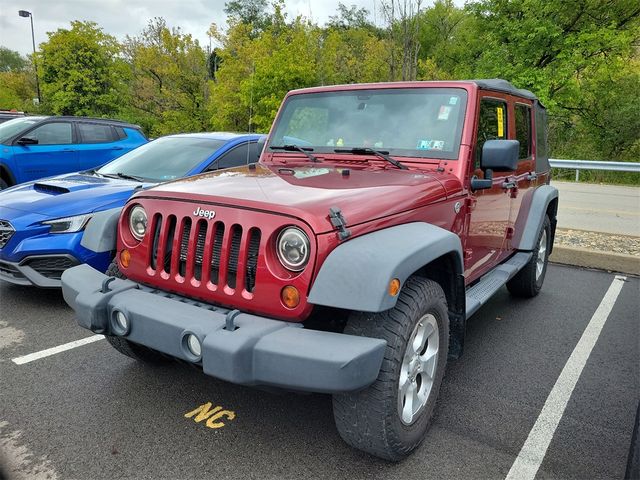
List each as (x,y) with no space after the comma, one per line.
(24,13)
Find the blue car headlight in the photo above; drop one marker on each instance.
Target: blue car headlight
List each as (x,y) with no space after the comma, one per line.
(68,224)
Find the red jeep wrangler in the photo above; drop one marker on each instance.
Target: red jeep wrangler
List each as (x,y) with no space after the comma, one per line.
(379,219)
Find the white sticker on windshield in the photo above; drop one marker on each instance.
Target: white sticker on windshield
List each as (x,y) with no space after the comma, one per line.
(444,112)
(453,100)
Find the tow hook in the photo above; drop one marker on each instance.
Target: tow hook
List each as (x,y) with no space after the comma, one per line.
(105,284)
(229,324)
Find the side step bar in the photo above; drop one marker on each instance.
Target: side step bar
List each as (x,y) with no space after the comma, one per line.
(494,280)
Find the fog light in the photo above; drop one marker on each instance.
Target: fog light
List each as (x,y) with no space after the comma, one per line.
(125,258)
(120,323)
(290,296)
(194,346)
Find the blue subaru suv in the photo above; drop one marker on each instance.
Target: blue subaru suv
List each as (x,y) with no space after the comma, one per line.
(42,223)
(36,147)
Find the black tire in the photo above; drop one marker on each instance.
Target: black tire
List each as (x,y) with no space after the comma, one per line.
(370,419)
(124,346)
(527,283)
(3,184)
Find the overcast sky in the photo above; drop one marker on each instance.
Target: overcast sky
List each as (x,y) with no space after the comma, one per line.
(121,17)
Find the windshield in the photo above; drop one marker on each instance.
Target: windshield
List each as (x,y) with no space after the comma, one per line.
(11,127)
(409,122)
(163,159)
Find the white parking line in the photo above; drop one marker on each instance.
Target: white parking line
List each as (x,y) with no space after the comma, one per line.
(52,351)
(535,447)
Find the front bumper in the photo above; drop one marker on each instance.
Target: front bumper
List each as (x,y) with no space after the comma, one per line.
(39,270)
(260,351)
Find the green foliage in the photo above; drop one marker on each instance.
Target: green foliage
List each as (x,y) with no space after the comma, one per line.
(580,57)
(11,61)
(168,73)
(17,81)
(81,72)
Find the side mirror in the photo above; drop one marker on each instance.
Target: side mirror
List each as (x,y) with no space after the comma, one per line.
(27,141)
(499,156)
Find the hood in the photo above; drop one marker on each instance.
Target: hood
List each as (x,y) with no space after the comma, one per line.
(67,195)
(307,192)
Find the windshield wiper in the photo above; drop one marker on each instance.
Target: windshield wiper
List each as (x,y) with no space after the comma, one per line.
(124,176)
(384,154)
(296,148)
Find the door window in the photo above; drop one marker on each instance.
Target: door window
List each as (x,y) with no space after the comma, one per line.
(523,130)
(58,133)
(492,124)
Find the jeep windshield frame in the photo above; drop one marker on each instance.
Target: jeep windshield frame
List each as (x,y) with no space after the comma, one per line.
(420,122)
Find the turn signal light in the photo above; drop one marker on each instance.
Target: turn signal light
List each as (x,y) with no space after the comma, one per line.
(125,258)
(290,296)
(394,287)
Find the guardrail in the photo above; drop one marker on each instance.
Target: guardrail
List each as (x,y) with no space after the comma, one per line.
(578,165)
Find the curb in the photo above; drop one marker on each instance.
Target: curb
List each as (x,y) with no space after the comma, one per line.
(581,257)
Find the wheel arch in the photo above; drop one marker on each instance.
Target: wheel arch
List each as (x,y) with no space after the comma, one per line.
(537,203)
(356,275)
(6,175)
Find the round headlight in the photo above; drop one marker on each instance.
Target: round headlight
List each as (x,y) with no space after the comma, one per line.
(293,248)
(138,222)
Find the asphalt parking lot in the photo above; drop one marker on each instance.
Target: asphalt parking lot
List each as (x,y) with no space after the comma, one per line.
(90,412)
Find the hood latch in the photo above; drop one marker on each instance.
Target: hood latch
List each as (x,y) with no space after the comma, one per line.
(338,221)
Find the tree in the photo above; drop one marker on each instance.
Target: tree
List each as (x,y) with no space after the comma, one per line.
(580,58)
(81,71)
(350,17)
(17,86)
(402,17)
(168,79)
(249,12)
(11,61)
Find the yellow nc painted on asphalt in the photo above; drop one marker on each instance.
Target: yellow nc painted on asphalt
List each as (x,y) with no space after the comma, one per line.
(211,415)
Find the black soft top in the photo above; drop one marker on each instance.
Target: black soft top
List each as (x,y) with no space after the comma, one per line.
(500,85)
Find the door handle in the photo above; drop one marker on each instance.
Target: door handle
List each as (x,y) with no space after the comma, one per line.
(68,150)
(532,176)
(509,185)
(118,148)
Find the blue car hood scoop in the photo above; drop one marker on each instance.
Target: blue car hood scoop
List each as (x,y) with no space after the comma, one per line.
(50,188)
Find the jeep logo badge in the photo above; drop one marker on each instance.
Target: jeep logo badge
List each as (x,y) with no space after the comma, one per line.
(208,214)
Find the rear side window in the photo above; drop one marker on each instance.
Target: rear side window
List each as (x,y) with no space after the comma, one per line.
(120,133)
(96,133)
(238,156)
(58,133)
(492,124)
(523,130)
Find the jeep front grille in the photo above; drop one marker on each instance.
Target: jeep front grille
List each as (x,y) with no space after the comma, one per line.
(6,232)
(205,251)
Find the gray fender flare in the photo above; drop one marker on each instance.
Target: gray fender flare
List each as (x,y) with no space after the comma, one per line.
(531,216)
(101,232)
(356,274)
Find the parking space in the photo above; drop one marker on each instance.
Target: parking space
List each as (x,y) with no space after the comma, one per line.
(89,412)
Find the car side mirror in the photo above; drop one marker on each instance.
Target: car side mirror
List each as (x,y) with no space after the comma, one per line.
(27,141)
(499,156)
